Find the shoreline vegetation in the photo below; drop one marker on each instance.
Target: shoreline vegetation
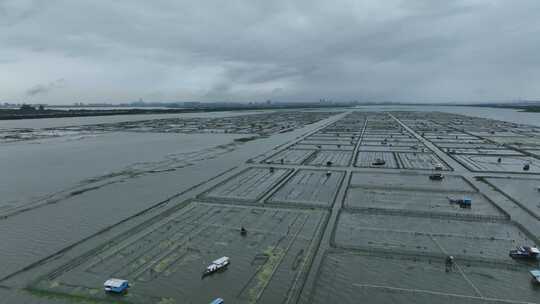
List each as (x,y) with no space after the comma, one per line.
(521,108)
(30,112)
(530,109)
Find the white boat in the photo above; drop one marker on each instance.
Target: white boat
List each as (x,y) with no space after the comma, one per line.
(116,285)
(216,265)
(525,252)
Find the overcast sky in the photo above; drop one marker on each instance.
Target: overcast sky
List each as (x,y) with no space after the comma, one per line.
(65,51)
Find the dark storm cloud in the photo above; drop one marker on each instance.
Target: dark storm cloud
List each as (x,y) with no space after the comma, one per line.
(44,88)
(243,50)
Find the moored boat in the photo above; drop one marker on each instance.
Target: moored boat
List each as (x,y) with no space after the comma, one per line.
(216,265)
(436,176)
(524,252)
(379,162)
(116,285)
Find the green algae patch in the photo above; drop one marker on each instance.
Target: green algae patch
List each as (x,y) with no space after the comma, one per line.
(167,301)
(264,274)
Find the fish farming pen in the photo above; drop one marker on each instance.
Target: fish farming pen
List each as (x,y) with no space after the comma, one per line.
(377,207)
(310,188)
(289,156)
(458,237)
(335,158)
(348,276)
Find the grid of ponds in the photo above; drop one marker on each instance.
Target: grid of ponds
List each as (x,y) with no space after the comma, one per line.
(524,191)
(331,146)
(479,144)
(386,144)
(290,157)
(249,185)
(309,188)
(395,231)
(353,277)
(387,242)
(331,158)
(284,211)
(164,261)
(393,235)
(261,124)
(478,239)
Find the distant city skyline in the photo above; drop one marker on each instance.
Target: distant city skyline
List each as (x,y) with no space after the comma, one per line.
(61,52)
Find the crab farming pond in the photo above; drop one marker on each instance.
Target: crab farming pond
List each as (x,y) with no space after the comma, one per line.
(358,205)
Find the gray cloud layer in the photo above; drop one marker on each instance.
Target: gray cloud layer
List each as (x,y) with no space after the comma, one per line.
(44,89)
(404,50)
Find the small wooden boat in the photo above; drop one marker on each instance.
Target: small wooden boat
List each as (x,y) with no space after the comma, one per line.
(436,176)
(379,162)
